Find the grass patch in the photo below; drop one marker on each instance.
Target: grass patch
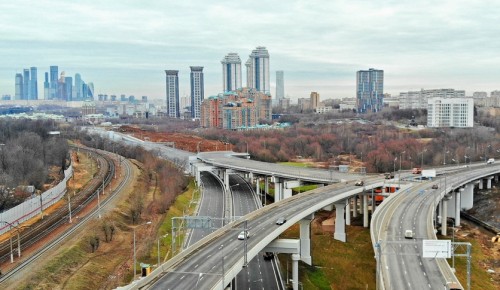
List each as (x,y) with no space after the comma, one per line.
(336,265)
(304,188)
(295,164)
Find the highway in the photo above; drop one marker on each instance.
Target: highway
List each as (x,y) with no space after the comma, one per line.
(260,273)
(401,262)
(221,254)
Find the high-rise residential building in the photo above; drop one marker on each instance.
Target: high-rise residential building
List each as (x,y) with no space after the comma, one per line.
(249,70)
(33,83)
(172,93)
(314,100)
(54,74)
(26,84)
(197,91)
(280,85)
(19,87)
(68,88)
(258,68)
(238,109)
(450,112)
(46,87)
(78,87)
(231,72)
(370,90)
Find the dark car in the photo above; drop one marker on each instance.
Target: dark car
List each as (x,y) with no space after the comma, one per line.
(281,221)
(268,255)
(359,183)
(435,186)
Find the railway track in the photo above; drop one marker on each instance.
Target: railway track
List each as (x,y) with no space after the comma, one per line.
(49,223)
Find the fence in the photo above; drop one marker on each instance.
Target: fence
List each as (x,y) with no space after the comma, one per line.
(34,205)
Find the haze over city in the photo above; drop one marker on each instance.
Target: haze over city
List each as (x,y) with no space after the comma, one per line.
(124,47)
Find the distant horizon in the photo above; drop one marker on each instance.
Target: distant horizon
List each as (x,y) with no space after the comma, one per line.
(124,47)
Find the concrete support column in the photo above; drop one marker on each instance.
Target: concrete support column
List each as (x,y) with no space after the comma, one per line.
(257,186)
(488,182)
(226,179)
(457,206)
(496,178)
(355,206)
(348,212)
(295,271)
(467,197)
(266,185)
(361,205)
(250,177)
(340,222)
(278,191)
(305,239)
(440,210)
(480,183)
(365,211)
(444,217)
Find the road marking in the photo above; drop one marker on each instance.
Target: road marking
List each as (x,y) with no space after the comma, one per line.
(429,285)
(183,277)
(196,266)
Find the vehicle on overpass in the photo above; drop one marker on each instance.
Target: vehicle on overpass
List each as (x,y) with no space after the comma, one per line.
(490,161)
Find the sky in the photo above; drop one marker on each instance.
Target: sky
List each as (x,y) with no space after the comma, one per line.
(124,46)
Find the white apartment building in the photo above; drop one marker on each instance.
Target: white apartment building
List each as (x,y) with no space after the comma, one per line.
(418,99)
(450,112)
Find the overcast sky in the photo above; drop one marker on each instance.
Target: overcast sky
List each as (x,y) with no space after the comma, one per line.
(124,46)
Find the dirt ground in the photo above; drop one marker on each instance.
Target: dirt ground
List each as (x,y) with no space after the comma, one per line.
(180,141)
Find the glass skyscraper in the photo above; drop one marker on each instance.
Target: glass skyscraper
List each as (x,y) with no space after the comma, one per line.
(280,85)
(54,73)
(26,84)
(33,84)
(231,72)
(46,86)
(258,70)
(369,90)
(197,91)
(19,87)
(172,93)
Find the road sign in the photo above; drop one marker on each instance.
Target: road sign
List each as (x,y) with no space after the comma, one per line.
(436,249)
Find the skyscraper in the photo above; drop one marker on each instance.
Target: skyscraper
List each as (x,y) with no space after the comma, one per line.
(197,91)
(78,87)
(33,84)
(46,87)
(369,90)
(54,74)
(231,72)
(19,87)
(26,84)
(172,91)
(314,100)
(258,68)
(280,85)
(68,88)
(249,68)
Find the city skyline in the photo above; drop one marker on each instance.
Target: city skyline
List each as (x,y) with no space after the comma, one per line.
(320,45)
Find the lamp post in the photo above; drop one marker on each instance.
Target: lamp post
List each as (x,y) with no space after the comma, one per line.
(399,174)
(135,260)
(198,146)
(444,157)
(164,236)
(247,146)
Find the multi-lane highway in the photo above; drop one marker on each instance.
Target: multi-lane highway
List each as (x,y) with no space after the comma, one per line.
(400,259)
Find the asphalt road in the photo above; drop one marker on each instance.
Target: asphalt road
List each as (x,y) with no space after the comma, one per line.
(260,273)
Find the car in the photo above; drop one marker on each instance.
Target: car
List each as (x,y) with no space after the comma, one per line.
(268,255)
(408,234)
(359,183)
(389,175)
(243,235)
(435,186)
(281,221)
(490,161)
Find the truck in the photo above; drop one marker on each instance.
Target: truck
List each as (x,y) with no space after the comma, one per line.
(429,173)
(416,170)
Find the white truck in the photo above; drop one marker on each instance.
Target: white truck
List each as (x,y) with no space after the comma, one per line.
(429,173)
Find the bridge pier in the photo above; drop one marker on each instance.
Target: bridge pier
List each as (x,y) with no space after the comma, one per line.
(496,178)
(355,206)
(340,221)
(305,239)
(467,198)
(365,210)
(295,271)
(480,183)
(278,188)
(457,206)
(488,182)
(444,216)
(361,204)
(348,212)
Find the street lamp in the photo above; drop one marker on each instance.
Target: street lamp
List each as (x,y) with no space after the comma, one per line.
(444,158)
(399,174)
(198,146)
(135,260)
(164,236)
(18,241)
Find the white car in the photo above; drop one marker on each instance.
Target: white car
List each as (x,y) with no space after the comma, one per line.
(490,161)
(408,234)
(242,235)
